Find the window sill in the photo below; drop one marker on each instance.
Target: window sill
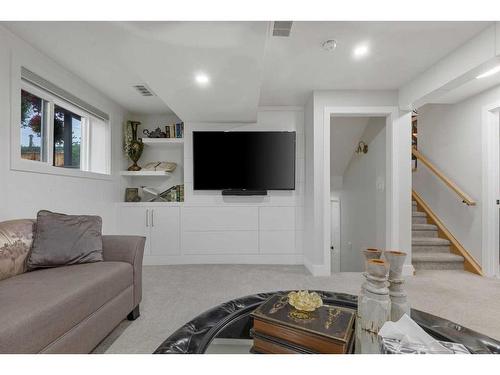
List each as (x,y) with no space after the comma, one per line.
(40,167)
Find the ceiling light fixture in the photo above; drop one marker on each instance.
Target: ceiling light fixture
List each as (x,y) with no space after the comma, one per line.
(490,72)
(360,51)
(202,79)
(329,45)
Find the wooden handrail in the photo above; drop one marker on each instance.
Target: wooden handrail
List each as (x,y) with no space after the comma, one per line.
(465,198)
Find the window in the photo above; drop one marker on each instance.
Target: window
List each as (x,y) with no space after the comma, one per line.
(57,133)
(67,138)
(33,126)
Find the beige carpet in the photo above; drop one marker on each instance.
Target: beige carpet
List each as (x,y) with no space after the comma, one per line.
(173,295)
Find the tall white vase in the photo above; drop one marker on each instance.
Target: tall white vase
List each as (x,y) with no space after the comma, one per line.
(397,293)
(374,304)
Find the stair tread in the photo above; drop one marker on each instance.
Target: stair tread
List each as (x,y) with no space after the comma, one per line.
(424,227)
(419,213)
(430,241)
(437,257)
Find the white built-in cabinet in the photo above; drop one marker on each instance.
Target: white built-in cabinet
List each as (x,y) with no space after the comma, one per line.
(179,233)
(159,224)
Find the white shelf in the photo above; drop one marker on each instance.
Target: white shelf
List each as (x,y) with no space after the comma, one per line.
(162,141)
(145,173)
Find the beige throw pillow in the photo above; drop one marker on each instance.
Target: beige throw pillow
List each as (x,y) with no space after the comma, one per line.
(16,237)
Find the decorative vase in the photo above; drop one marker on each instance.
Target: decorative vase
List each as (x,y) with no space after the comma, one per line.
(372,254)
(135,147)
(397,293)
(374,304)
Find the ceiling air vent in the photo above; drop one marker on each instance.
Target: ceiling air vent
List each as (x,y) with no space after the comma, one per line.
(143,90)
(282,28)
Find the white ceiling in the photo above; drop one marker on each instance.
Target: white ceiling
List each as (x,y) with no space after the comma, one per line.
(345,133)
(112,56)
(247,66)
(399,52)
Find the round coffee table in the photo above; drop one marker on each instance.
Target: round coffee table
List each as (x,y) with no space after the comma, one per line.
(226,328)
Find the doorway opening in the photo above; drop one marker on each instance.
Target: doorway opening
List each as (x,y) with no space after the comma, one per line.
(358,162)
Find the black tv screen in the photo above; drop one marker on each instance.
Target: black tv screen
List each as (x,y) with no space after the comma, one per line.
(243,160)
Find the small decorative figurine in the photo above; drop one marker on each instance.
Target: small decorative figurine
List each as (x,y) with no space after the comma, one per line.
(157,133)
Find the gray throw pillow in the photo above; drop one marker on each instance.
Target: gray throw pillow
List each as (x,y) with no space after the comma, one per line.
(62,240)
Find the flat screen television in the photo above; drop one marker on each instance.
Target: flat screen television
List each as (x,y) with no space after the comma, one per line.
(243,160)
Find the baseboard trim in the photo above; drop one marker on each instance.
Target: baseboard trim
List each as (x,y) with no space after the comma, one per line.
(285,259)
(316,269)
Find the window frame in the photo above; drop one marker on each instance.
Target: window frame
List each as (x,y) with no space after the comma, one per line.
(47,165)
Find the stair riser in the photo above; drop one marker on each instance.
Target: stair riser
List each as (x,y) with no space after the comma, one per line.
(419,220)
(429,249)
(424,233)
(414,208)
(438,265)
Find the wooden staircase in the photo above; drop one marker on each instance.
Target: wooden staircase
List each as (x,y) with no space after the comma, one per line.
(433,245)
(429,251)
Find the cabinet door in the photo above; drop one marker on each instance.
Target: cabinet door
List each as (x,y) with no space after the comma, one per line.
(135,221)
(165,231)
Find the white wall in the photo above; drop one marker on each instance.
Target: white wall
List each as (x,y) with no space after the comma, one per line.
(309,188)
(362,198)
(22,194)
(345,133)
(450,136)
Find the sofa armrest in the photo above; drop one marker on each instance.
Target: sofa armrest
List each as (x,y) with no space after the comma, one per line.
(129,249)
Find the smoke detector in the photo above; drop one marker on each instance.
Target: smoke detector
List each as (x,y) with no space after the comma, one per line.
(143,90)
(329,45)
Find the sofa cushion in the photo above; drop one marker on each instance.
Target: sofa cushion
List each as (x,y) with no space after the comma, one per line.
(62,240)
(38,307)
(16,237)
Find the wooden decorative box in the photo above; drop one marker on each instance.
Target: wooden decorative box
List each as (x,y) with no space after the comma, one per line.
(279,328)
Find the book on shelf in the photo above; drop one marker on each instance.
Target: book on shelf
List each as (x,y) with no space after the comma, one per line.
(329,329)
(173,194)
(175,130)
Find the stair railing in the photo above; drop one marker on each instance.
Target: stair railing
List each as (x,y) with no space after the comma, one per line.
(465,198)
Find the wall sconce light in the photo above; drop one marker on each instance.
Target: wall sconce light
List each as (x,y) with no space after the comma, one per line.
(362,148)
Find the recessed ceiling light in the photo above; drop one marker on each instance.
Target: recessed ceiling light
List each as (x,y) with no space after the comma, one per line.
(329,45)
(360,51)
(490,72)
(202,79)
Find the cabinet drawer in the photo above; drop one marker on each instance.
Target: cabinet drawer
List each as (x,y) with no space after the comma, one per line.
(219,218)
(225,242)
(277,242)
(277,218)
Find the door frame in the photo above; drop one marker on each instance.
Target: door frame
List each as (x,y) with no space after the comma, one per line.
(490,126)
(336,199)
(394,199)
